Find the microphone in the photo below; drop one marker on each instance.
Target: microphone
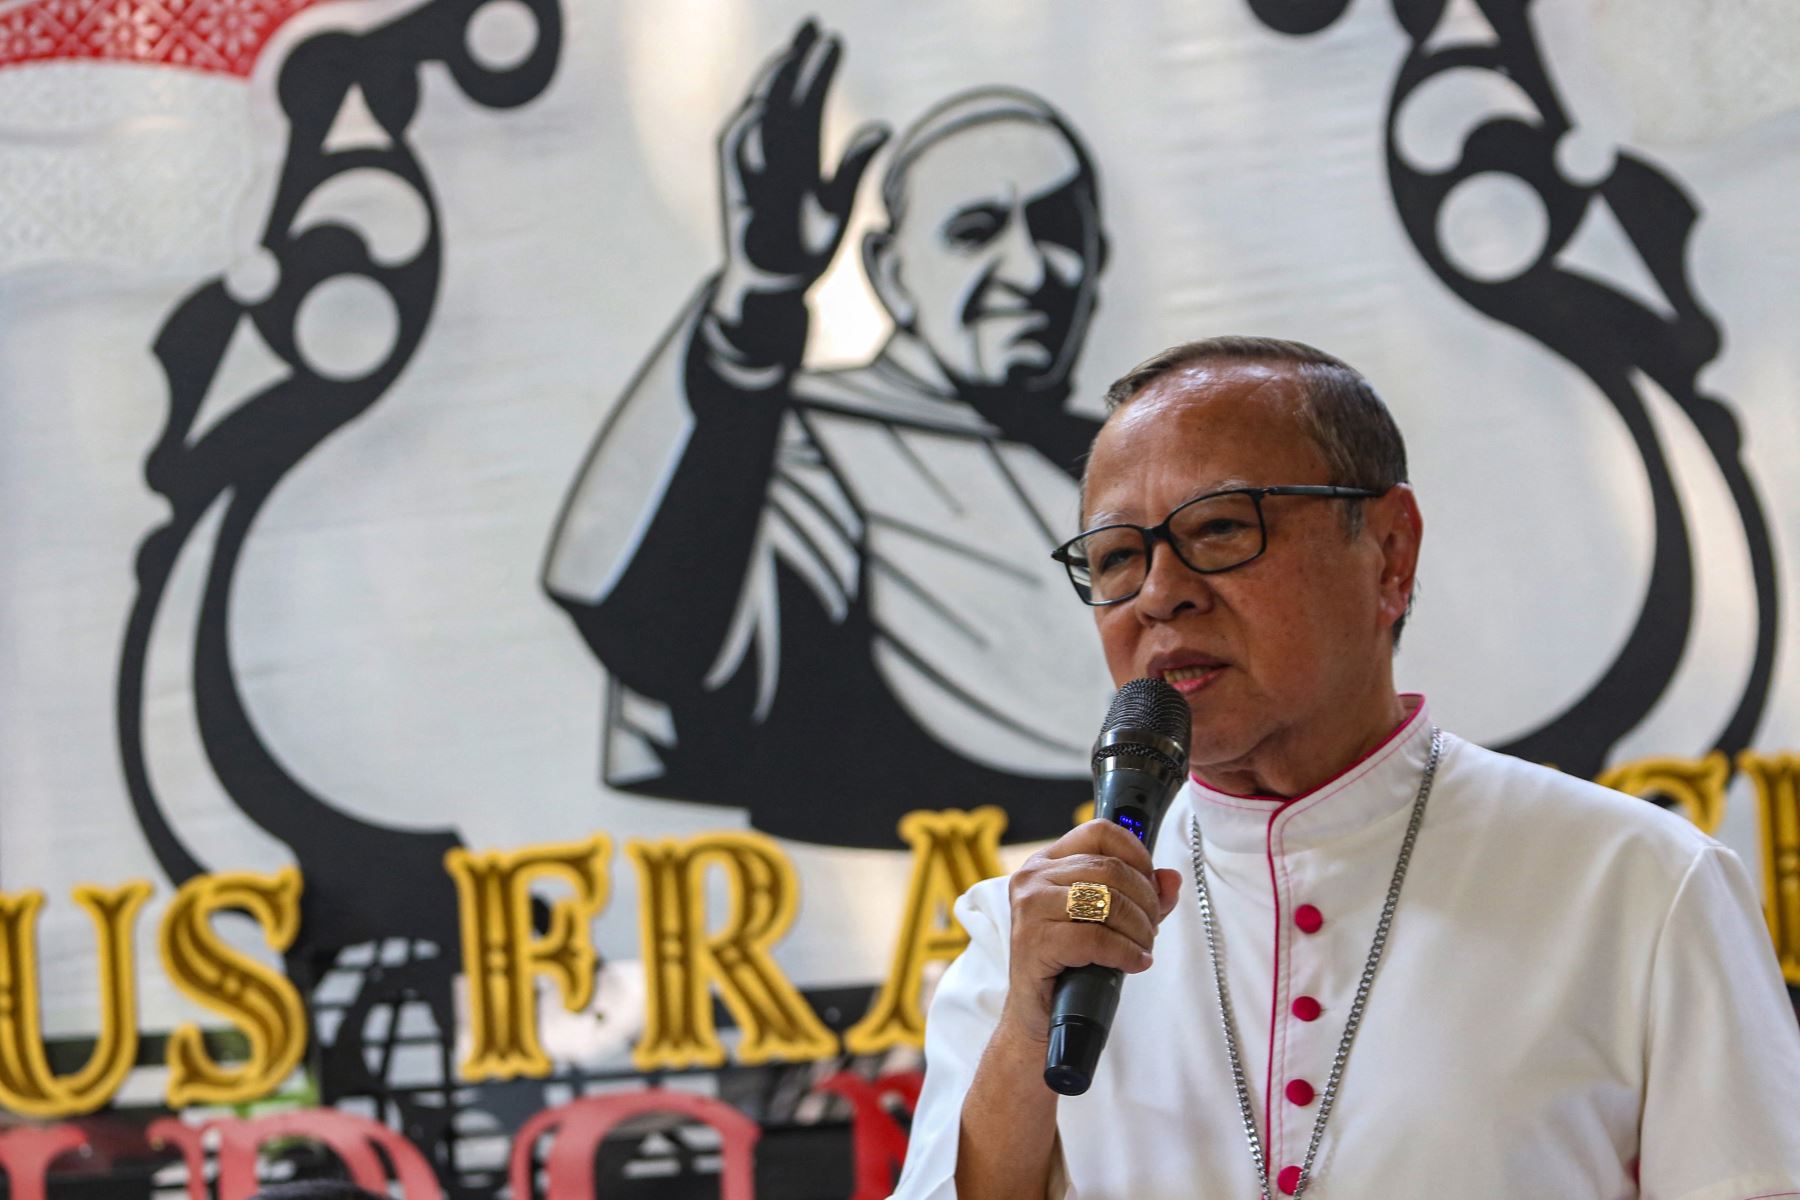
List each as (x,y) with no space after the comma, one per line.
(1140,762)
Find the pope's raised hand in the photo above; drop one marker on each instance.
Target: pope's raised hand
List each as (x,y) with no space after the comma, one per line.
(784,215)
(1046,941)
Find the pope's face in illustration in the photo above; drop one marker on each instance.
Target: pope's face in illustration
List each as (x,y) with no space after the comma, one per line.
(995,256)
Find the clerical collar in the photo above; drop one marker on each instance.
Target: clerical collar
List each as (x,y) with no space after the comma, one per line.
(1380,784)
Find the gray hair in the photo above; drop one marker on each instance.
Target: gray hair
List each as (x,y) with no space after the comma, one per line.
(1339,410)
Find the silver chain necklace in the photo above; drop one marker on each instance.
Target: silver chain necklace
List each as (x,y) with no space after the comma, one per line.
(1329,1095)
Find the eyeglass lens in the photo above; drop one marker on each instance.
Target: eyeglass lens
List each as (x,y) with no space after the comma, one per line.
(1211,534)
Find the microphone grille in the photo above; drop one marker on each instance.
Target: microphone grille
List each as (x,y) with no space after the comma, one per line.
(1153,706)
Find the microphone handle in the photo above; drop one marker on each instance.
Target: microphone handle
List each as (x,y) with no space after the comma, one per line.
(1080,1018)
(1082,1008)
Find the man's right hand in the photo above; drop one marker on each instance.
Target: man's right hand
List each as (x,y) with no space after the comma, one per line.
(1045,942)
(1007,1134)
(783,216)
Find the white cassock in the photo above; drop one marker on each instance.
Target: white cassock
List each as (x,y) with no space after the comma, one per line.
(1578,999)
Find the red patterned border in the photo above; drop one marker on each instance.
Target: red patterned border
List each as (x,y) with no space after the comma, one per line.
(219,36)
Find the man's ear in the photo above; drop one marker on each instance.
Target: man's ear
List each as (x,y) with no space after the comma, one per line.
(1399,528)
(882,266)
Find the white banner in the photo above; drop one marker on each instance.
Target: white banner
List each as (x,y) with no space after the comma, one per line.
(382,474)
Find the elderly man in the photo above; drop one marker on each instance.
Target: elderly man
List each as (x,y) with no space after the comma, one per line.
(1387,962)
(806,585)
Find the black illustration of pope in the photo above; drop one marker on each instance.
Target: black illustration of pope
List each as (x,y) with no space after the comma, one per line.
(827,596)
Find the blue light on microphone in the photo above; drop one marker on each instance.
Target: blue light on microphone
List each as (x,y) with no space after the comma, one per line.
(1134,823)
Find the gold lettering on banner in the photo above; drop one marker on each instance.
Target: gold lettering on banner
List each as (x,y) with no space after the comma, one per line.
(1776,778)
(952,851)
(502,958)
(1697,785)
(27,1084)
(683,962)
(211,973)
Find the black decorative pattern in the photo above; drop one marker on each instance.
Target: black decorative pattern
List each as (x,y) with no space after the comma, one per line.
(368,887)
(1607,334)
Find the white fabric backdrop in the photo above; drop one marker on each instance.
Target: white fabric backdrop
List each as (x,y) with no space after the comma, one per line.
(395,646)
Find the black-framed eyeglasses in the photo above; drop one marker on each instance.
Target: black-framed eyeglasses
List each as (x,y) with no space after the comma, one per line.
(1219,531)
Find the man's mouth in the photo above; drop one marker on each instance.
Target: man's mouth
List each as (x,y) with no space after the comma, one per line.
(1189,679)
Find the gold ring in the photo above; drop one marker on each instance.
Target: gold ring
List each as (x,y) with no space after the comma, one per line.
(1089,902)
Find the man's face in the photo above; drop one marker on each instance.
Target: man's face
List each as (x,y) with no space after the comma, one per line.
(1287,651)
(999,252)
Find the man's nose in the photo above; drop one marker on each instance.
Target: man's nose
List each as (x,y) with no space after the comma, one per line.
(1170,586)
(1021,264)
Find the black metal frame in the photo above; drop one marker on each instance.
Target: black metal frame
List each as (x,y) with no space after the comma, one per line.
(1078,566)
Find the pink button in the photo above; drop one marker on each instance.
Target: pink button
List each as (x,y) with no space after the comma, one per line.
(1289,1180)
(1299,1092)
(1309,919)
(1307,1009)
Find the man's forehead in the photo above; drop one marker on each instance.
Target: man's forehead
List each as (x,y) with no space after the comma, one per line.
(1215,397)
(1219,424)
